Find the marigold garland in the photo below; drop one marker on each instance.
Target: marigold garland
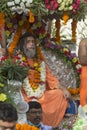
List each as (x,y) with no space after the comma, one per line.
(34,75)
(2,24)
(13,44)
(25,127)
(31,17)
(17,36)
(74,91)
(58,30)
(74,25)
(2,19)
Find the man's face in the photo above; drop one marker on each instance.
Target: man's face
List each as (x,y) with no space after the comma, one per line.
(4,125)
(35,116)
(29,47)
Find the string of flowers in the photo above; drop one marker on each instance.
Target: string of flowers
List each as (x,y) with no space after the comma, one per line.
(73,26)
(17,36)
(58,30)
(25,127)
(2,24)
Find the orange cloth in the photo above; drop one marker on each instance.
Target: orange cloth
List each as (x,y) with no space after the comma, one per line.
(83,86)
(53,103)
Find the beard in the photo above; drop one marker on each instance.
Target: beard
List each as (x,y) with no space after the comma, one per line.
(30,53)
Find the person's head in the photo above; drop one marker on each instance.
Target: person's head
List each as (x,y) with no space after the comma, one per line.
(34,114)
(8,116)
(27,45)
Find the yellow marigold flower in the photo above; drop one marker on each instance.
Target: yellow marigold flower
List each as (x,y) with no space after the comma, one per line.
(39,24)
(20,22)
(65,17)
(35,89)
(7,33)
(1,85)
(65,49)
(35,64)
(74,59)
(23,58)
(9,25)
(3,97)
(18,126)
(39,69)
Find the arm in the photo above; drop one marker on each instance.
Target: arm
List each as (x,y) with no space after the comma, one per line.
(82,52)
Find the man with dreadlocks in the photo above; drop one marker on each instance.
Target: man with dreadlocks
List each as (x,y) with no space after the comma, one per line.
(41,84)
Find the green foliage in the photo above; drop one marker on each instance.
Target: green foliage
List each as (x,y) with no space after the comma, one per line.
(12,70)
(4,8)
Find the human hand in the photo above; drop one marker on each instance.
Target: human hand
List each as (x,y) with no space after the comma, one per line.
(66,93)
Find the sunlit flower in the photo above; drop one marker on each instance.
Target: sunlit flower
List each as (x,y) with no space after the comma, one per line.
(1,85)
(17,1)
(3,97)
(7,32)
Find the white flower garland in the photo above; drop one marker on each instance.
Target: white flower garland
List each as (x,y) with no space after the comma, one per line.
(40,90)
(20,6)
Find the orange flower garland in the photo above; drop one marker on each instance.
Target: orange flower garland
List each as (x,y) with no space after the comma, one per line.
(13,44)
(2,24)
(31,17)
(74,25)
(74,91)
(25,127)
(17,36)
(2,19)
(58,30)
(34,75)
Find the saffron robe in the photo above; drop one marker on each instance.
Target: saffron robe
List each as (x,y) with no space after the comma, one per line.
(53,102)
(83,86)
